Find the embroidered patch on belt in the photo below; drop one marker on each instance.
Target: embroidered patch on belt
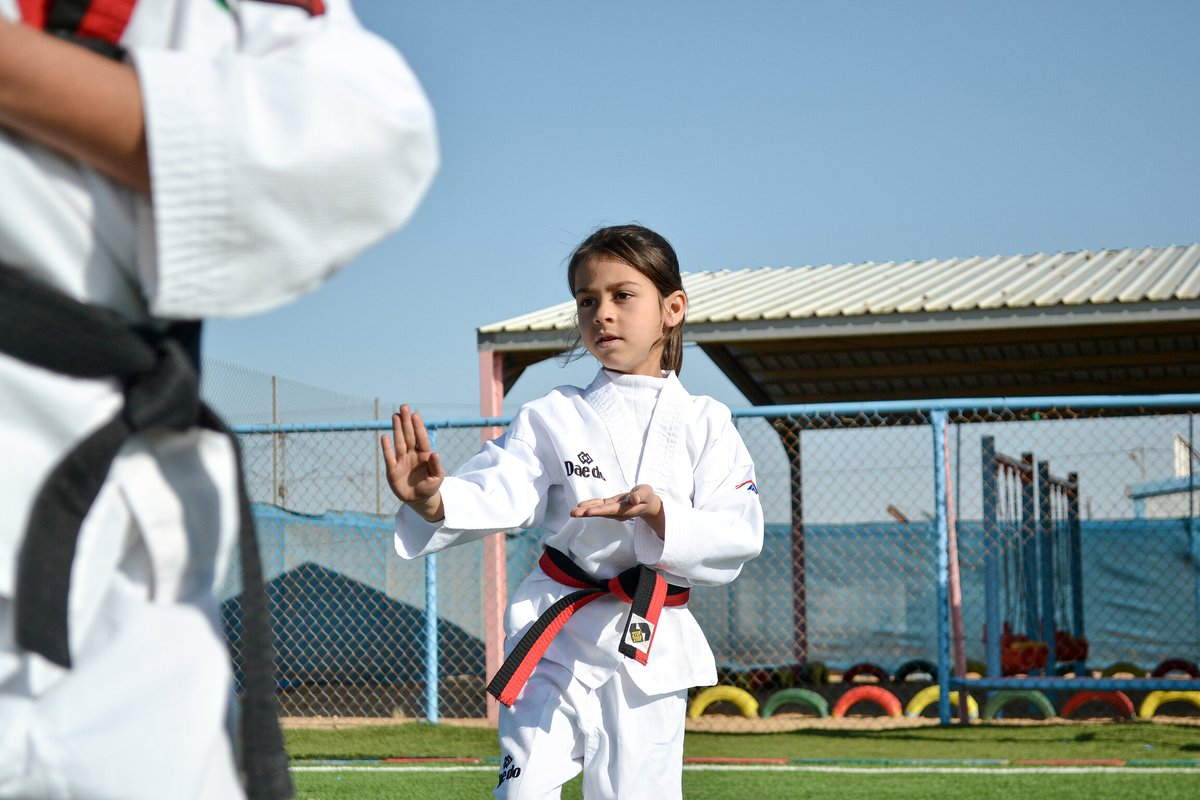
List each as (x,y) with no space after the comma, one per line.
(639,632)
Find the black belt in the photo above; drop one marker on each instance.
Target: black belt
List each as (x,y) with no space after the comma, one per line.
(642,588)
(160,376)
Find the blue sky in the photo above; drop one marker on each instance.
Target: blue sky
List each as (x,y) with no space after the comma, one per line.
(757,134)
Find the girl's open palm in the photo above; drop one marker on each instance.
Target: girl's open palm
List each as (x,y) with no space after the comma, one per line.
(414,470)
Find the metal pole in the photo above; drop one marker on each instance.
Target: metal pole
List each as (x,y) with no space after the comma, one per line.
(1073,527)
(789,434)
(1193,534)
(1045,528)
(431,626)
(274,441)
(956,619)
(378,469)
(991,559)
(1029,550)
(937,421)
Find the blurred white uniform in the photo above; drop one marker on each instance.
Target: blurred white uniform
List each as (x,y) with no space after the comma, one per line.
(578,444)
(281,145)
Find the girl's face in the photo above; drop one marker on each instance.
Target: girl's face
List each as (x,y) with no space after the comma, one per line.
(622,317)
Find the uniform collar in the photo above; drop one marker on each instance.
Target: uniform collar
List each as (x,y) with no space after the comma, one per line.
(666,424)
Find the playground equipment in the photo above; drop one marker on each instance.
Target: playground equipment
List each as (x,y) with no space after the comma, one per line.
(1033,574)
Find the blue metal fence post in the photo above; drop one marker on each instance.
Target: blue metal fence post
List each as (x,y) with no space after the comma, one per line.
(1193,535)
(1073,527)
(1047,567)
(1028,544)
(431,626)
(991,558)
(937,420)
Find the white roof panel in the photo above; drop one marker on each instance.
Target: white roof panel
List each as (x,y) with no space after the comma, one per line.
(891,289)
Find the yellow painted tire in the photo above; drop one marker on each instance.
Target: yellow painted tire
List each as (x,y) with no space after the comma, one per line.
(1156,699)
(730,694)
(922,699)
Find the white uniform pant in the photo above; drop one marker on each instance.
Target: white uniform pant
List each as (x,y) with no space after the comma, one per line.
(628,744)
(143,713)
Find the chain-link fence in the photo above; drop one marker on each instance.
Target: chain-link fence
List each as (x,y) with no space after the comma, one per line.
(898,535)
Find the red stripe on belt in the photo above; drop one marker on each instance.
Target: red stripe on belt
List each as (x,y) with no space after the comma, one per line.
(642,588)
(106,20)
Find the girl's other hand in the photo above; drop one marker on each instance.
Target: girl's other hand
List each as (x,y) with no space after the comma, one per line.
(414,469)
(640,501)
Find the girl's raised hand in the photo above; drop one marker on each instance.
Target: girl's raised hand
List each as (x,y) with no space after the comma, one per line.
(414,470)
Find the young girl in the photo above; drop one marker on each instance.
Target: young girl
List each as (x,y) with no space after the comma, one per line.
(640,491)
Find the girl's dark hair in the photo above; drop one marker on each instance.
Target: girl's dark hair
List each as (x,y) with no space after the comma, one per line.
(648,253)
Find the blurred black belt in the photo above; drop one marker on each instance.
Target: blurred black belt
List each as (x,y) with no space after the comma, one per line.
(159,373)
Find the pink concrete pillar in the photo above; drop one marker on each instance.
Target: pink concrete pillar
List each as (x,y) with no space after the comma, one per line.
(495,580)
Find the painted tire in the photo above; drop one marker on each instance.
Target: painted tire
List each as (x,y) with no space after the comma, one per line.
(1006,696)
(913,666)
(802,696)
(1175,665)
(865,668)
(731,694)
(930,694)
(1156,699)
(814,672)
(1123,666)
(867,692)
(978,667)
(1118,700)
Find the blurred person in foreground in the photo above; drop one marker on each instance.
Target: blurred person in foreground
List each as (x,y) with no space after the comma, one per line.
(161,161)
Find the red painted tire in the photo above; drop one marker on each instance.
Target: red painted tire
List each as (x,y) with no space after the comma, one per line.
(865,668)
(1176,665)
(867,692)
(1118,700)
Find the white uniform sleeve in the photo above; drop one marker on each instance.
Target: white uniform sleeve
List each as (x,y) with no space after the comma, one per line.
(274,165)
(707,543)
(503,486)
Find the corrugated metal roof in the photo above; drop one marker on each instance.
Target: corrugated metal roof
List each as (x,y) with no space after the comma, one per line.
(893,289)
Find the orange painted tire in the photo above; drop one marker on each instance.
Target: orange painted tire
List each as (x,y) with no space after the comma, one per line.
(867,692)
(1118,700)
(1175,665)
(865,668)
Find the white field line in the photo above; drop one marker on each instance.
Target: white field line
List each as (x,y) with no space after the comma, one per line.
(881,770)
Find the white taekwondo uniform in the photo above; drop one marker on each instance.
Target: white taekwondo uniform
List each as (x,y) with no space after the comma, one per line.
(280,146)
(578,444)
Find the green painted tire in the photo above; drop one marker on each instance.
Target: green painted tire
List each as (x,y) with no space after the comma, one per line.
(1006,696)
(802,696)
